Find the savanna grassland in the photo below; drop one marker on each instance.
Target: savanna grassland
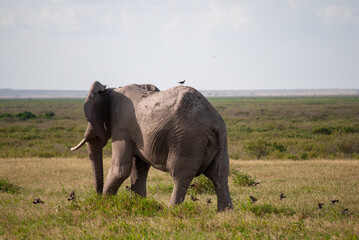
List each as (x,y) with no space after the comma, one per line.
(306,148)
(258,128)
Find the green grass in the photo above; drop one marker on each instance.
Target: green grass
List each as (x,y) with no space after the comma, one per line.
(35,162)
(126,215)
(7,187)
(258,128)
(241,179)
(291,128)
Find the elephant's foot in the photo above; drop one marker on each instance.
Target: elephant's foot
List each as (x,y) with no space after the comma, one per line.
(223,199)
(179,191)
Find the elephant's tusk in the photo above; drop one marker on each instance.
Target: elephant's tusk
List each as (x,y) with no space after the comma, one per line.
(79,145)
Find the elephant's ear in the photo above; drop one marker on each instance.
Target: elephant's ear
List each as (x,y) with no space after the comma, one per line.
(94,112)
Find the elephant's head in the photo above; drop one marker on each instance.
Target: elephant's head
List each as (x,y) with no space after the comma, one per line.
(98,131)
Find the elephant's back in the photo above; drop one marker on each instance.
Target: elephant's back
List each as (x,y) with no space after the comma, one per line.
(181,102)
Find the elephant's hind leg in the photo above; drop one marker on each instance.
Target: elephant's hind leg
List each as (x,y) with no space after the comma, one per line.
(183,171)
(139,176)
(218,173)
(180,189)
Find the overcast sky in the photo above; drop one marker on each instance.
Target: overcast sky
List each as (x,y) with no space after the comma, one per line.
(254,44)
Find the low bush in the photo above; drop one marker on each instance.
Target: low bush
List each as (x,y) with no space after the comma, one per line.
(241,179)
(258,148)
(125,203)
(323,130)
(201,185)
(49,115)
(6,186)
(262,209)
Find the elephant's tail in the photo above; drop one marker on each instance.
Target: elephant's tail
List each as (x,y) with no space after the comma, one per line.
(223,158)
(218,172)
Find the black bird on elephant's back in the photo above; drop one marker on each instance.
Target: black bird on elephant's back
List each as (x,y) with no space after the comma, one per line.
(177,131)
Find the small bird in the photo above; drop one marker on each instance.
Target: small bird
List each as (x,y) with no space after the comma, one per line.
(255,184)
(58,208)
(281,196)
(320,205)
(253,199)
(194,199)
(72,196)
(208,201)
(37,200)
(182,82)
(334,201)
(128,188)
(345,211)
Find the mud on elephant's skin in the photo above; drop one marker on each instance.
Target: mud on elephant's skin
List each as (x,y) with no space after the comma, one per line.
(177,131)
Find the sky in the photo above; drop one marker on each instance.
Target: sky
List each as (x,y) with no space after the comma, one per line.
(213,45)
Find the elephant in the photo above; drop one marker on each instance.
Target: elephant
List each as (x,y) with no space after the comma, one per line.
(176,131)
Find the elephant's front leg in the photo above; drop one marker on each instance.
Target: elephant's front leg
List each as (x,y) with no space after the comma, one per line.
(121,166)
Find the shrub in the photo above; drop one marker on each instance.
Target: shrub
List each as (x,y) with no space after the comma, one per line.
(6,186)
(279,147)
(25,115)
(125,203)
(241,179)
(48,115)
(323,130)
(261,210)
(200,185)
(258,148)
(348,146)
(6,116)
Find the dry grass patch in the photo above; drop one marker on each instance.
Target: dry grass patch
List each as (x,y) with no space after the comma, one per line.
(304,183)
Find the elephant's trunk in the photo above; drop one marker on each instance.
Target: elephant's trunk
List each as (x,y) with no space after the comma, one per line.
(79,145)
(95,154)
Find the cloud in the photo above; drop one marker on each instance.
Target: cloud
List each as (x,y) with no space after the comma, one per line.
(333,14)
(58,17)
(6,19)
(225,16)
(65,19)
(200,15)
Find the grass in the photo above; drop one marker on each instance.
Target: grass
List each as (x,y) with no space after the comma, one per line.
(258,128)
(90,216)
(35,162)
(291,128)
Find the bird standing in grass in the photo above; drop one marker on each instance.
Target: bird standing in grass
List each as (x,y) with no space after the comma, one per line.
(345,211)
(334,201)
(181,82)
(194,198)
(281,196)
(255,184)
(208,201)
(320,205)
(72,196)
(253,199)
(37,200)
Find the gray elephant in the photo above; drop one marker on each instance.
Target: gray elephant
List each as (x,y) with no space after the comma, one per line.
(176,131)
